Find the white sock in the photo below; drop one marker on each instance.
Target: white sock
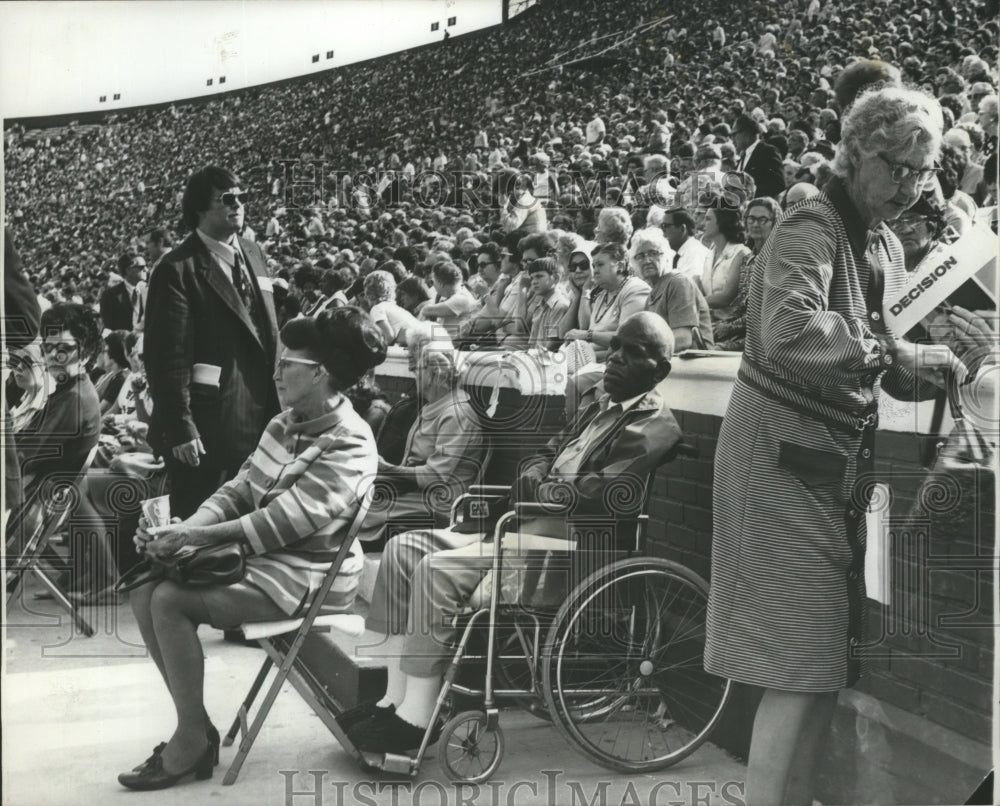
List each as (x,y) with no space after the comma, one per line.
(392,649)
(418,704)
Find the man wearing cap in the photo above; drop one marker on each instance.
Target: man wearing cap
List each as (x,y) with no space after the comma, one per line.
(614,441)
(123,306)
(757,158)
(210,344)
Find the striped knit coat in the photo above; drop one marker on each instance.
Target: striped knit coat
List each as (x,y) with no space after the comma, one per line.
(296,498)
(794,457)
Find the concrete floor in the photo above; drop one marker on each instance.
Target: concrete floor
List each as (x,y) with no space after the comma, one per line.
(77,711)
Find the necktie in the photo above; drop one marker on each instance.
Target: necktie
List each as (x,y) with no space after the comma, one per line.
(136,300)
(677,258)
(241,284)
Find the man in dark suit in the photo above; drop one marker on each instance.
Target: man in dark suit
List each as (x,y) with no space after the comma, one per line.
(757,158)
(123,306)
(210,344)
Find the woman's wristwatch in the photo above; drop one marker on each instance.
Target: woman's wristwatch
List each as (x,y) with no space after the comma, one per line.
(590,335)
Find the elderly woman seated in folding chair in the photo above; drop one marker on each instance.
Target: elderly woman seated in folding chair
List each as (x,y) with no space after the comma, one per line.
(617,440)
(291,504)
(444,448)
(55,439)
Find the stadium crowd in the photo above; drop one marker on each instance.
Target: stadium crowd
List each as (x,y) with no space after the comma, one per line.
(564,183)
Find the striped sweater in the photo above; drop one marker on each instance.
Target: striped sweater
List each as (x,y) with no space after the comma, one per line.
(296,498)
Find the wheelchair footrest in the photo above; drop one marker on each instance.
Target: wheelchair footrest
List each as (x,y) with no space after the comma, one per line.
(397,763)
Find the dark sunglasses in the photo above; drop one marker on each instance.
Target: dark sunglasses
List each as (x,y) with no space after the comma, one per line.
(57,347)
(234,199)
(579,265)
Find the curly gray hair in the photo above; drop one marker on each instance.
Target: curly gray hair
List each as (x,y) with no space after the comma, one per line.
(889,120)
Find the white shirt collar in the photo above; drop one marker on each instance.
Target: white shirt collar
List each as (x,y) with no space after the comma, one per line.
(226,250)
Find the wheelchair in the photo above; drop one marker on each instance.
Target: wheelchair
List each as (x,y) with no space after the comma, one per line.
(613,659)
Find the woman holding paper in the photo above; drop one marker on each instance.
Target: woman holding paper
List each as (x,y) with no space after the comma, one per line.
(292,503)
(786,609)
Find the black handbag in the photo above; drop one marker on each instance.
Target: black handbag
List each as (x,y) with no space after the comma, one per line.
(220,564)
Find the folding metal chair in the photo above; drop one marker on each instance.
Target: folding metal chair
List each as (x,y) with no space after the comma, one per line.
(282,641)
(43,517)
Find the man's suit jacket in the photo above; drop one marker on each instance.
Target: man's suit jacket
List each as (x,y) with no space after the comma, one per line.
(195,316)
(766,169)
(614,467)
(116,308)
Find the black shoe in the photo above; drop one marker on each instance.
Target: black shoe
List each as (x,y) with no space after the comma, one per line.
(390,734)
(214,740)
(359,713)
(151,774)
(156,754)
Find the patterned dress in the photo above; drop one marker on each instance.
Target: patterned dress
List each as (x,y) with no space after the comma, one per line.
(794,458)
(296,498)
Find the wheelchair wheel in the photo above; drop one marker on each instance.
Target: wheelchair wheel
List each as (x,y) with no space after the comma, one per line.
(513,671)
(470,752)
(622,666)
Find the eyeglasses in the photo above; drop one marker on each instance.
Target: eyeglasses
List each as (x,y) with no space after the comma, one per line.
(910,223)
(234,199)
(901,172)
(650,255)
(58,347)
(759,219)
(285,362)
(580,265)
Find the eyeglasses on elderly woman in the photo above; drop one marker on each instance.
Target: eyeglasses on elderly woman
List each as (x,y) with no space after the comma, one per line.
(901,172)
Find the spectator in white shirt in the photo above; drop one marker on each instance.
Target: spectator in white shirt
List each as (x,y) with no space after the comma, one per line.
(595,126)
(521,210)
(455,302)
(691,257)
(391,319)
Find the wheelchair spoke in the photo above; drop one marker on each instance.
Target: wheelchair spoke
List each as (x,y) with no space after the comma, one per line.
(622,669)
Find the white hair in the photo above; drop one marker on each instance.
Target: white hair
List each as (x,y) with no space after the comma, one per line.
(892,120)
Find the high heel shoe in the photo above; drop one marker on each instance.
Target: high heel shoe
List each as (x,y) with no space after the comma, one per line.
(214,740)
(153,776)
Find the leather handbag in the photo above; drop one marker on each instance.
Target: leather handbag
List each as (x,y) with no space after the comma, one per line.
(206,566)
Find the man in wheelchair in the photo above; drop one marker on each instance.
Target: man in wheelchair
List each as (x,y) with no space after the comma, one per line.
(618,439)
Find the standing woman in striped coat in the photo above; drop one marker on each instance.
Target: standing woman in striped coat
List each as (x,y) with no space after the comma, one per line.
(292,503)
(786,610)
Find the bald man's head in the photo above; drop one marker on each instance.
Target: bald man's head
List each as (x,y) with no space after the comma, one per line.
(639,356)
(800,191)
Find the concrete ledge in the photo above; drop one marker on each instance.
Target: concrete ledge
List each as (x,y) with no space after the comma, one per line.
(881,754)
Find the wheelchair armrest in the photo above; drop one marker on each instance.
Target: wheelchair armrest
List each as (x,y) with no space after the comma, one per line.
(523,508)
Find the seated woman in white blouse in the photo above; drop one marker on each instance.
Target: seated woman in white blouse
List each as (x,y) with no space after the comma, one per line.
(720,282)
